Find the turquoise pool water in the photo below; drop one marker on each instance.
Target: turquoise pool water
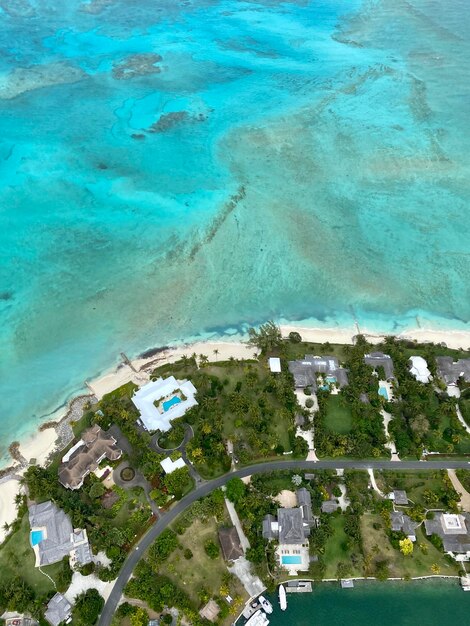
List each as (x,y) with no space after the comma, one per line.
(287,160)
(383,392)
(171,402)
(331,379)
(289,559)
(36,537)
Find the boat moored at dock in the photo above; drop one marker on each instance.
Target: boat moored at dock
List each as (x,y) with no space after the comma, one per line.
(282,598)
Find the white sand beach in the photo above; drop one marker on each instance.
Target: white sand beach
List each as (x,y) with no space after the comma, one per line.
(39,446)
(8,490)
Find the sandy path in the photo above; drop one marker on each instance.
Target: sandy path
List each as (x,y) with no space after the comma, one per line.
(459,488)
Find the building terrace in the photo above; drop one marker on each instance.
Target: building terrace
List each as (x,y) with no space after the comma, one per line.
(52,536)
(86,455)
(305,372)
(452,371)
(379,359)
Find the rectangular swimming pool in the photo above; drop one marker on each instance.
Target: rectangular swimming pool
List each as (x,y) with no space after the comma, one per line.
(331,379)
(291,559)
(383,392)
(171,402)
(36,537)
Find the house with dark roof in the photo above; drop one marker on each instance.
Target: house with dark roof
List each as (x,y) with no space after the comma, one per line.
(85,456)
(291,528)
(52,536)
(452,371)
(230,543)
(379,359)
(454,530)
(306,372)
(400,497)
(399,522)
(58,610)
(329,506)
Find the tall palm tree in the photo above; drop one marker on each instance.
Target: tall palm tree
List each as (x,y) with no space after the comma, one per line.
(216,352)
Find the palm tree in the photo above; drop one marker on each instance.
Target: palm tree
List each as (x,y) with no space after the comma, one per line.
(203,359)
(216,352)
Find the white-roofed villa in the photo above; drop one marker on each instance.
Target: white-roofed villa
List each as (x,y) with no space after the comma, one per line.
(163,400)
(419,369)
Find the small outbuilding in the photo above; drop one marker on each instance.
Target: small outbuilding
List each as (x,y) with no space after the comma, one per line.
(275,365)
(230,543)
(59,610)
(169,466)
(210,611)
(419,369)
(400,497)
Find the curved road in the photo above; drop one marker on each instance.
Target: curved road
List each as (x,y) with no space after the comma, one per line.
(205,488)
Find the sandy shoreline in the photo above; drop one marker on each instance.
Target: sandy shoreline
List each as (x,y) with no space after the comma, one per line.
(39,446)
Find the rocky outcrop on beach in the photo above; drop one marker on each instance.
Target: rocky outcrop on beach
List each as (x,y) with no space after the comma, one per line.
(136,65)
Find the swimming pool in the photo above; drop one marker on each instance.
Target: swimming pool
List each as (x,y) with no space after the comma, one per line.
(383,392)
(289,559)
(36,537)
(331,379)
(171,402)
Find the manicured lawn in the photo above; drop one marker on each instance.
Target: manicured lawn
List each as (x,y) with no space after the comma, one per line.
(297,351)
(17,559)
(200,571)
(414,483)
(336,548)
(338,416)
(377,546)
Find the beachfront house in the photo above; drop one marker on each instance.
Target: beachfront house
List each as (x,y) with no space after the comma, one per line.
(52,536)
(379,359)
(310,371)
(291,528)
(399,522)
(454,530)
(419,369)
(451,372)
(163,400)
(86,455)
(59,610)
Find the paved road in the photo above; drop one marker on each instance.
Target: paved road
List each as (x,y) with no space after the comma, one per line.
(206,488)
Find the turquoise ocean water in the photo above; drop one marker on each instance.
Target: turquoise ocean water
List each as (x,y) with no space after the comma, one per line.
(173,169)
(420,603)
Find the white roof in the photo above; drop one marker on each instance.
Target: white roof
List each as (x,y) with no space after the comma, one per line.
(275,364)
(419,369)
(145,397)
(169,466)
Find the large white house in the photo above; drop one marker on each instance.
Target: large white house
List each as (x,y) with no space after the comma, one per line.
(419,369)
(163,400)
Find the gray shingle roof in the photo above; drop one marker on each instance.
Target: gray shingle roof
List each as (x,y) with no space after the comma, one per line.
(400,497)
(459,541)
(450,372)
(401,522)
(304,500)
(57,539)
(59,610)
(305,372)
(230,543)
(268,532)
(379,359)
(291,529)
(329,506)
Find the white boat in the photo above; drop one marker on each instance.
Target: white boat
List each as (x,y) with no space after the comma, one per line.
(266,605)
(258,619)
(282,597)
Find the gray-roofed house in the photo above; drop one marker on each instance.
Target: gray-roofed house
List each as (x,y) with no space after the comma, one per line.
(305,371)
(399,522)
(52,536)
(329,506)
(379,359)
(59,610)
(451,372)
(86,455)
(230,543)
(400,497)
(291,527)
(454,530)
